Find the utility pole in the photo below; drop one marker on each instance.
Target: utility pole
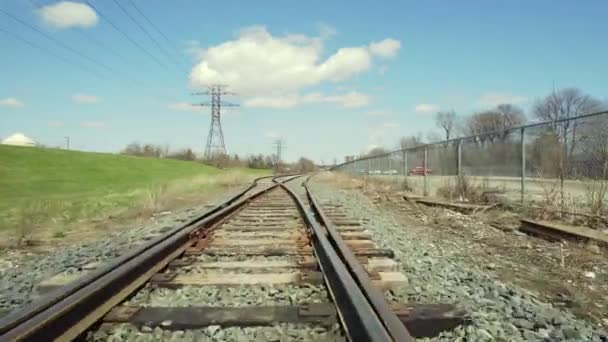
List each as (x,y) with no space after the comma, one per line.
(215,138)
(279,146)
(67,143)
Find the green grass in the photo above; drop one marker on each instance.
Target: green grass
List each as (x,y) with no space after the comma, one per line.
(58,186)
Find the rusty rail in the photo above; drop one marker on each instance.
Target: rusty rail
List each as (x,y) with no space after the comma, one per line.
(376,298)
(361,313)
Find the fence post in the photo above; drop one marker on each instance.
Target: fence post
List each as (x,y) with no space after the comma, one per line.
(459,158)
(424,171)
(403,162)
(369,162)
(523,163)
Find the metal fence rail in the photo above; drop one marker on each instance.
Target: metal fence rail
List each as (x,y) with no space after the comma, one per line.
(565,161)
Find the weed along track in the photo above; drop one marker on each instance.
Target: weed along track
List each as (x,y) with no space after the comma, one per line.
(268,265)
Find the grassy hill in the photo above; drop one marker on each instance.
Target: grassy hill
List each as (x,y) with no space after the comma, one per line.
(58,186)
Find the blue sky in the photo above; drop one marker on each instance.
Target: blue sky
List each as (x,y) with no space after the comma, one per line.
(332,78)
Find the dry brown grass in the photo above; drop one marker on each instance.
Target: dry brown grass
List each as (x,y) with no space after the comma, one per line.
(369,184)
(30,216)
(463,189)
(154,200)
(596,194)
(343,180)
(184,193)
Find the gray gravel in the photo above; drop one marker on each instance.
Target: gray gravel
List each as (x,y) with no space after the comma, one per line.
(21,271)
(443,274)
(257,295)
(279,332)
(212,258)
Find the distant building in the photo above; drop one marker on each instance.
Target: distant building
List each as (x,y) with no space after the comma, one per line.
(18,139)
(349,158)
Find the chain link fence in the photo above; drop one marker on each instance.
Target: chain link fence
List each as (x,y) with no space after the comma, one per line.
(562,165)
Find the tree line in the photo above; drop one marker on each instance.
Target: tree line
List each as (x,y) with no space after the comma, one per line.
(254,161)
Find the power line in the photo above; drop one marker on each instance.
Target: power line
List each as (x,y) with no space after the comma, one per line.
(66,60)
(56,41)
(88,37)
(104,17)
(71,63)
(32,44)
(132,80)
(143,29)
(157,30)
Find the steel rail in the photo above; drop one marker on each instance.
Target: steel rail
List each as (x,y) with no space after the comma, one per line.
(58,314)
(291,176)
(356,314)
(381,307)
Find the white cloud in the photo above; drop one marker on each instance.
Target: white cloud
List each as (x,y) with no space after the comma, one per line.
(66,14)
(185,107)
(326,30)
(371,147)
(279,102)
(387,48)
(426,108)
(380,112)
(273,70)
(492,99)
(94,124)
(230,112)
(351,99)
(84,98)
(11,102)
(189,107)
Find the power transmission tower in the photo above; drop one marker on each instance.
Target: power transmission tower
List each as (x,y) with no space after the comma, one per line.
(280,146)
(215,138)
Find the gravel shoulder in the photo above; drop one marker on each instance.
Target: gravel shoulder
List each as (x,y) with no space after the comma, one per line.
(448,260)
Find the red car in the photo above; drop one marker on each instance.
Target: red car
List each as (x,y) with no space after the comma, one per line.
(419,171)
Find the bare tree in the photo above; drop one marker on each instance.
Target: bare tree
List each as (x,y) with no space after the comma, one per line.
(492,125)
(186,154)
(376,151)
(304,165)
(564,104)
(446,121)
(511,115)
(411,141)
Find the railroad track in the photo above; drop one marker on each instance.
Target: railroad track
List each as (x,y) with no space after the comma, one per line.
(266,259)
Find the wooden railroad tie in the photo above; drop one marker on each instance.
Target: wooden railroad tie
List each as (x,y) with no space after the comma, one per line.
(422,320)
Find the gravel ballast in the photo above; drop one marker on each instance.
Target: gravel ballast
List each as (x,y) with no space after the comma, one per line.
(235,296)
(279,332)
(441,273)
